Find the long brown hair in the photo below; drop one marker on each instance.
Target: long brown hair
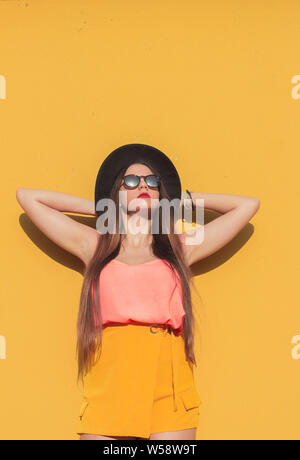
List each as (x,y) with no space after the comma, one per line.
(165,246)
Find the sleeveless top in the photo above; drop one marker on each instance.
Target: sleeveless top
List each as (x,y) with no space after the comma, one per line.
(149,293)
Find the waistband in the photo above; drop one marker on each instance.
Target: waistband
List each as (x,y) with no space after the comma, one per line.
(165,329)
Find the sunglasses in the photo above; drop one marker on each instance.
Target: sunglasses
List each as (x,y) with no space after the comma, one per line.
(132,180)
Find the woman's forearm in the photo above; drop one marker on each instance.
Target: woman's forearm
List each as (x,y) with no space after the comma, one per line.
(58,200)
(223,202)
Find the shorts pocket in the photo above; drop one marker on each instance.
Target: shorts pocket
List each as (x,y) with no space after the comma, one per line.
(190,398)
(83,407)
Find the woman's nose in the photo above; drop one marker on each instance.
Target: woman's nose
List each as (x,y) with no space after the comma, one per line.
(143,182)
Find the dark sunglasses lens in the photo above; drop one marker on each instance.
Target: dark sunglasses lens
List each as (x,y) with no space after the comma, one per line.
(152,181)
(131,180)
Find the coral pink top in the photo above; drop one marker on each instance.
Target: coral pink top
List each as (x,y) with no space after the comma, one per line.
(148,293)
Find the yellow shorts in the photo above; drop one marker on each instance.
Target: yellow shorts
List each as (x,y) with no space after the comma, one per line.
(141,384)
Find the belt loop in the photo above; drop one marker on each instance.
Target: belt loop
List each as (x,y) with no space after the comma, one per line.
(165,330)
(153,332)
(174,370)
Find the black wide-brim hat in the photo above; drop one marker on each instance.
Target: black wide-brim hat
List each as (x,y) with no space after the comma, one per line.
(128,154)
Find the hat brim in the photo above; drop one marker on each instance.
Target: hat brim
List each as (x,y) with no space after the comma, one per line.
(128,154)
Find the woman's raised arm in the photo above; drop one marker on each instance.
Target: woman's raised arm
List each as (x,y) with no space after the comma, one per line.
(46,210)
(237,211)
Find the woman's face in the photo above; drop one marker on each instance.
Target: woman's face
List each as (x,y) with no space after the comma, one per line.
(132,194)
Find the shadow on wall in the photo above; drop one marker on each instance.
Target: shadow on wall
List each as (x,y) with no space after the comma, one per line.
(225,253)
(69,260)
(50,248)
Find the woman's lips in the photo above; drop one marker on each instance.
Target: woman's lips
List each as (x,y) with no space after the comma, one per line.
(144,195)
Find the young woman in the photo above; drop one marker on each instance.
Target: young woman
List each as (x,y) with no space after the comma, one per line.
(135,323)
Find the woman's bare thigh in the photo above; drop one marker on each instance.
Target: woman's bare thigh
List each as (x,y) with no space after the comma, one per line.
(190,433)
(88,436)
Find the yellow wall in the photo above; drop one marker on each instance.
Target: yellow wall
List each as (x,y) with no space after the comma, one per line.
(214,85)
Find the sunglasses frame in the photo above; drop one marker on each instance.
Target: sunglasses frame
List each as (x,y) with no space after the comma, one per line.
(139,177)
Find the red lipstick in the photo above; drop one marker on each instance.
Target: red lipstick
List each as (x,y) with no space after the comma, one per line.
(144,195)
